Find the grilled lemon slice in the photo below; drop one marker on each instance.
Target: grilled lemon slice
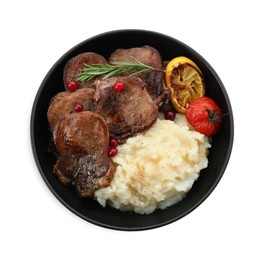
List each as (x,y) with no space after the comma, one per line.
(186,82)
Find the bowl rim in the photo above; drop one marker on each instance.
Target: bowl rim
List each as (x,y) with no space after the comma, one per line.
(121,228)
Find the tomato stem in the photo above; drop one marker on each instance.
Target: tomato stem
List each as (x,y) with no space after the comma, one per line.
(214,117)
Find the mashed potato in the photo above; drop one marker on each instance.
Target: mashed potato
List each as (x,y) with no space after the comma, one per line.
(157,168)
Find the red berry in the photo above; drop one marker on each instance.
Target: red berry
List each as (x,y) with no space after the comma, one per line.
(119,86)
(72,85)
(170,115)
(113,152)
(113,143)
(78,107)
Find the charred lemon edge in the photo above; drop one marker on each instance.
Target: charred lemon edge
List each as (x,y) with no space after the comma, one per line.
(174,63)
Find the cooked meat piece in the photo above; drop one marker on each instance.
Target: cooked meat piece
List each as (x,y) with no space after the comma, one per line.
(82,141)
(64,103)
(166,104)
(151,57)
(146,54)
(127,112)
(163,101)
(76,64)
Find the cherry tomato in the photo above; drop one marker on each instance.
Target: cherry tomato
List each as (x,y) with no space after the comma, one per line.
(204,115)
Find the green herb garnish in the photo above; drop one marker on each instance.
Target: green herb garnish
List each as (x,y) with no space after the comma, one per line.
(114,69)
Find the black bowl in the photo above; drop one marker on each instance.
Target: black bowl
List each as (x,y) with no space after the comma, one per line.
(90,210)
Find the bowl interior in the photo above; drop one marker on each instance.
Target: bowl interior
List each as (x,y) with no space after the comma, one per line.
(90,210)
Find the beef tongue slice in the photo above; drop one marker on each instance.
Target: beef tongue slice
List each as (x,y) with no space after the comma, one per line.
(64,103)
(128,112)
(82,141)
(75,65)
(153,79)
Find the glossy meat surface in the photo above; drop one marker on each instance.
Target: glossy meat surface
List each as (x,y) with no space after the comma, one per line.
(82,141)
(127,112)
(148,56)
(76,64)
(64,103)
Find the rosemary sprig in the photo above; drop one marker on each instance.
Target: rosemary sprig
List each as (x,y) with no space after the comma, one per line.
(114,69)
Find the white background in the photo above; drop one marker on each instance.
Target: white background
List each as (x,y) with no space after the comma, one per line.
(34,35)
